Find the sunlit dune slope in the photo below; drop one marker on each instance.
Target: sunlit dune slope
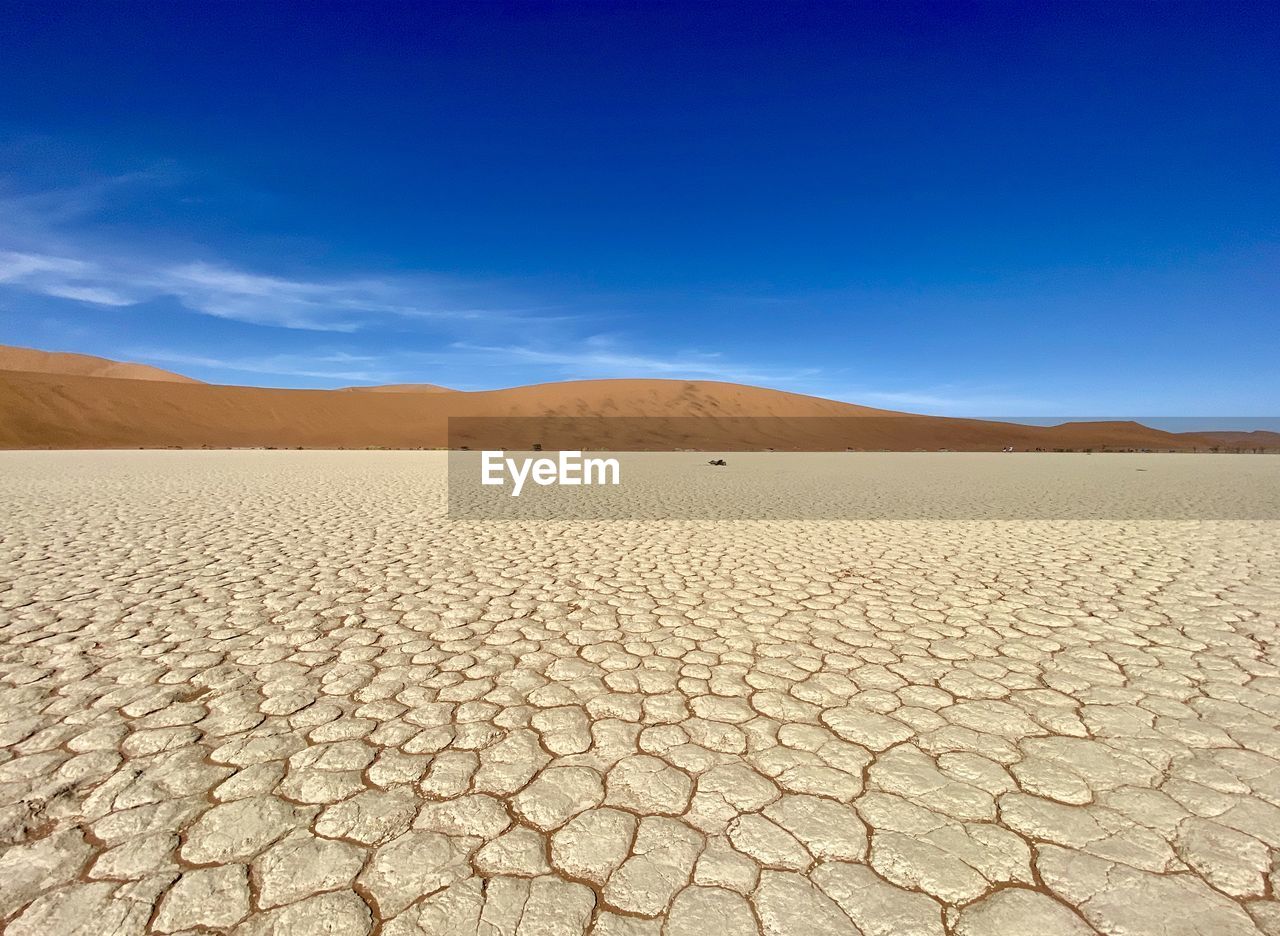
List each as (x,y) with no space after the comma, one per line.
(85,365)
(40,410)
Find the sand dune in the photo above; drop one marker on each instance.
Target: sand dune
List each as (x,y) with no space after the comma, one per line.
(51,400)
(400,388)
(1258,438)
(41,410)
(84,365)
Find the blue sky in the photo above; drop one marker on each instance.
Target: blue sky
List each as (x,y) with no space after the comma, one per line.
(951,208)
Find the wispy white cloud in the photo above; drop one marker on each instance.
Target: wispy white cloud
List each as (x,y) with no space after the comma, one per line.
(940,401)
(224,291)
(323,365)
(599,356)
(53,244)
(460,364)
(16,267)
(46,209)
(50,246)
(94,295)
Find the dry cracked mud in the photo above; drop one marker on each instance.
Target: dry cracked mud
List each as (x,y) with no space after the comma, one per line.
(276,693)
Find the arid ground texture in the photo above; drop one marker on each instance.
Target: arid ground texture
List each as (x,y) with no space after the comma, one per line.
(283,692)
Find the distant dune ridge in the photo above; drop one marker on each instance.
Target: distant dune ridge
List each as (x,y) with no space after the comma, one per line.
(84,365)
(50,400)
(401,388)
(1258,438)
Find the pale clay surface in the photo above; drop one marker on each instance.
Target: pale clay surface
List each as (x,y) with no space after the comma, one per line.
(270,692)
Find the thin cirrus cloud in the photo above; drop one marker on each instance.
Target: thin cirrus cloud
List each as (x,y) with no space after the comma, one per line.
(222,291)
(456,366)
(943,401)
(584,360)
(598,357)
(52,244)
(330,365)
(62,277)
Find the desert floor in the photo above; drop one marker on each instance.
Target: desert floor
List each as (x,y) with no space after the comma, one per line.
(282,692)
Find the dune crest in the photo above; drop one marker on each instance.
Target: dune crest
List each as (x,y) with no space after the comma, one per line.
(400,388)
(155,409)
(32,360)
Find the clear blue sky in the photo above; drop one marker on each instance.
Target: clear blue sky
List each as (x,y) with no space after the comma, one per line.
(950,208)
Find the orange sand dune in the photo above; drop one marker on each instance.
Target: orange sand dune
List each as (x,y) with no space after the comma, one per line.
(85,365)
(41,410)
(1239,439)
(400,388)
